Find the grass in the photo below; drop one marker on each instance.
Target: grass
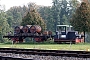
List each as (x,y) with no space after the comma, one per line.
(80,46)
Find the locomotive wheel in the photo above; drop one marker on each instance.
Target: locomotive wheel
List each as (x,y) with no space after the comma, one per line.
(15,40)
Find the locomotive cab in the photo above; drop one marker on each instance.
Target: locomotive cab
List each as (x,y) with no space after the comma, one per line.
(62,30)
(64,33)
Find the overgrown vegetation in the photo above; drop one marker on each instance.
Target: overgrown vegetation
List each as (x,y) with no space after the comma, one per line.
(81,18)
(86,46)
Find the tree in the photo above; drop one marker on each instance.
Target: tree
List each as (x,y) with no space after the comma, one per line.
(33,18)
(4,26)
(46,14)
(59,13)
(62,11)
(74,4)
(9,18)
(15,14)
(81,19)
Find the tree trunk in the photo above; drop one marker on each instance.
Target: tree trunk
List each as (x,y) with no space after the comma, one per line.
(84,37)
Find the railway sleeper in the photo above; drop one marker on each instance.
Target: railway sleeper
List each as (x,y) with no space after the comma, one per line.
(13,58)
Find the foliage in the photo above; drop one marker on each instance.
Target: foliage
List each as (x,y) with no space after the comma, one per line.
(4,26)
(14,17)
(33,18)
(46,14)
(81,19)
(59,13)
(74,4)
(62,9)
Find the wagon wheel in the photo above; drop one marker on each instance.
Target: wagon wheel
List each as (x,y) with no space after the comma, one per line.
(20,40)
(38,39)
(15,40)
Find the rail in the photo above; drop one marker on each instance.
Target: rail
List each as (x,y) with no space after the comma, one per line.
(83,54)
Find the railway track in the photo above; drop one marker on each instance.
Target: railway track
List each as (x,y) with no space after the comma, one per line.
(35,54)
(26,52)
